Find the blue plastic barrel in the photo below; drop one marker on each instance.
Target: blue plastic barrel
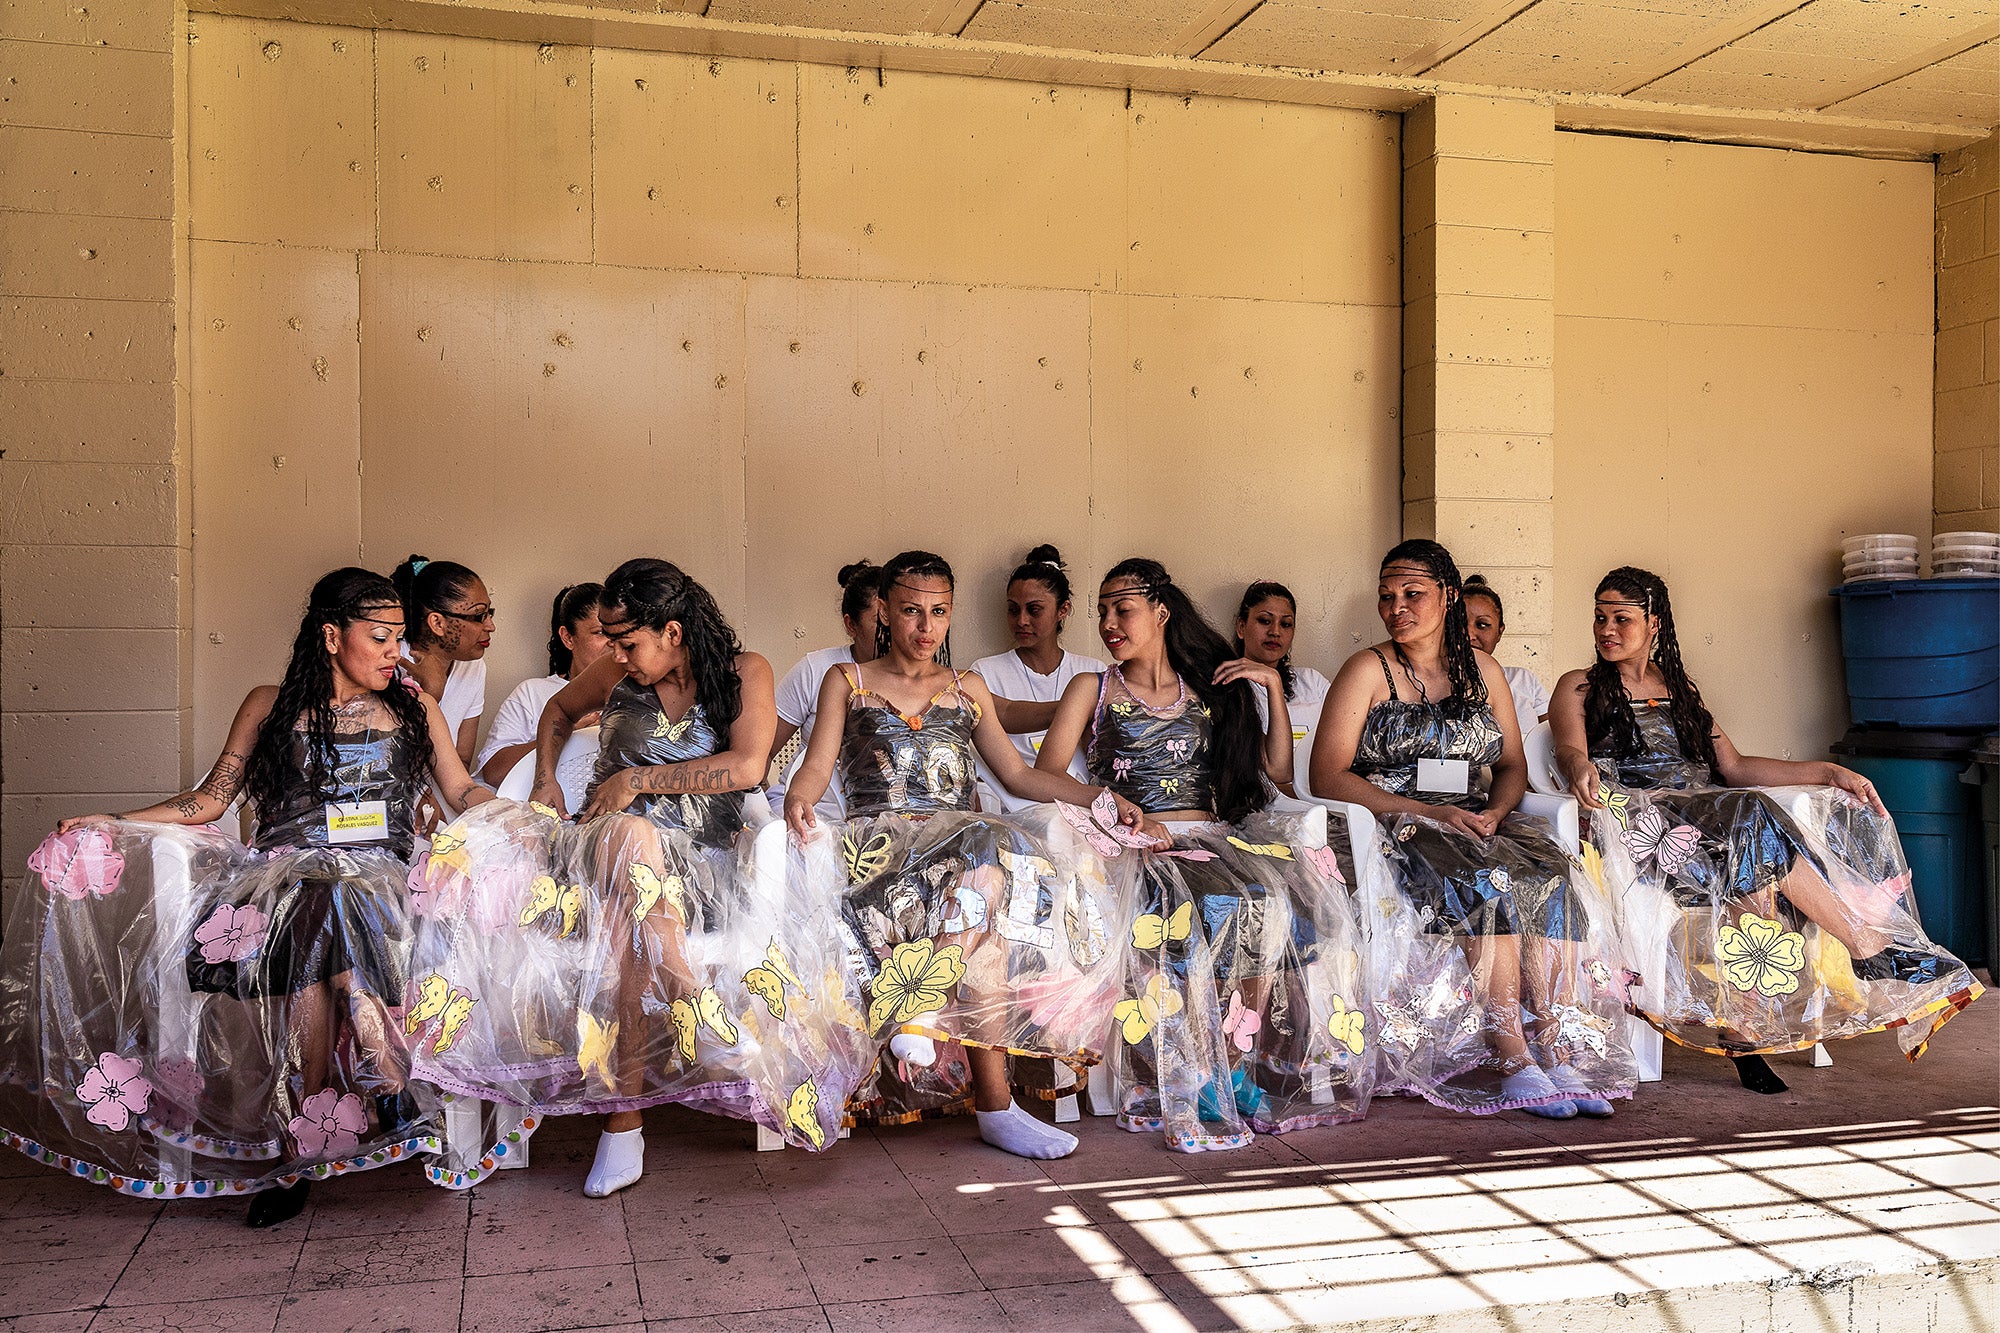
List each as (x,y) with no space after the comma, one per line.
(1922,653)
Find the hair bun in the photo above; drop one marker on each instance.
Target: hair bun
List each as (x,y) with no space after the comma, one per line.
(858,569)
(1477,581)
(1044,555)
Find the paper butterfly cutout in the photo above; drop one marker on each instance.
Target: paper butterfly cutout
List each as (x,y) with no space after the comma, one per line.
(1150,931)
(1275,850)
(1100,826)
(440,1001)
(545,895)
(1327,862)
(448,849)
(1649,838)
(1346,1026)
(1242,1025)
(1121,767)
(541,809)
(649,889)
(767,980)
(664,730)
(79,863)
(1191,854)
(595,1043)
(1137,1017)
(916,979)
(802,1113)
(1619,805)
(865,862)
(705,1010)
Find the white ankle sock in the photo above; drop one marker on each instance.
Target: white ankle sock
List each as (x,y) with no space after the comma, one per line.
(1014,1130)
(1566,1079)
(913,1049)
(1531,1083)
(621,1160)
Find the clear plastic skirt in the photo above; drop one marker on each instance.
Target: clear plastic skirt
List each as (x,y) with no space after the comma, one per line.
(1774,918)
(1486,956)
(617,965)
(974,930)
(183,1016)
(1244,1008)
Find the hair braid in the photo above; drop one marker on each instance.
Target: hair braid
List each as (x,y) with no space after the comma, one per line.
(1609,724)
(650,593)
(1461,667)
(913,565)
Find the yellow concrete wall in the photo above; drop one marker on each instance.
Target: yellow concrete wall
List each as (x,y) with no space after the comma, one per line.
(1743,352)
(542,308)
(1966,494)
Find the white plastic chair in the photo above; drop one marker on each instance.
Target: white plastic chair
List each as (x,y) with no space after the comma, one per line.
(575,766)
(1305,726)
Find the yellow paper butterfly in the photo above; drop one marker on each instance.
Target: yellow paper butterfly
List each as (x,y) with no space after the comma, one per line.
(1345,1024)
(802,1113)
(1619,804)
(433,993)
(672,731)
(572,909)
(681,1014)
(915,980)
(864,862)
(448,849)
(1150,931)
(542,896)
(650,889)
(768,979)
(1273,849)
(1136,1018)
(709,1005)
(455,1014)
(595,1043)
(541,809)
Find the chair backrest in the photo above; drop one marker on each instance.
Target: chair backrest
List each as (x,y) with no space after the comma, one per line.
(574,767)
(1540,745)
(1305,726)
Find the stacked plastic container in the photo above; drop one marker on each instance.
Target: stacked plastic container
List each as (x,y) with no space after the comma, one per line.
(1923,691)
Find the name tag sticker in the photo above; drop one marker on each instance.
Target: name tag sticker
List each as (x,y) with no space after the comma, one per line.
(359,821)
(1447,776)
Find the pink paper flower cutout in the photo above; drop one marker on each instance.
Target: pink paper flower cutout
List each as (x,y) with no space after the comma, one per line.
(231,934)
(331,1126)
(79,863)
(114,1091)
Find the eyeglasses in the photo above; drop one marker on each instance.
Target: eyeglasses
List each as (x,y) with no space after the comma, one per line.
(471,617)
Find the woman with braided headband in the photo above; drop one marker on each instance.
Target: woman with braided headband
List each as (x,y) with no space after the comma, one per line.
(180,1014)
(1492,915)
(1785,916)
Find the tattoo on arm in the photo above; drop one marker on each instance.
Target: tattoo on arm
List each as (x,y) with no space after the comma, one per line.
(680,779)
(225,779)
(188,806)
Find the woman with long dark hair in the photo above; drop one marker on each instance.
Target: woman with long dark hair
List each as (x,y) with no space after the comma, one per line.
(624,961)
(575,641)
(1491,914)
(1784,922)
(182,1015)
(1234,903)
(981,931)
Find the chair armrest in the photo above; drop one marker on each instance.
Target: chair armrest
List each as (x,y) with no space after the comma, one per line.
(1562,814)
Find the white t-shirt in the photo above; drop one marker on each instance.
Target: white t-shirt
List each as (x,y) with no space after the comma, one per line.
(1308,696)
(1531,697)
(518,718)
(464,697)
(798,702)
(1011,678)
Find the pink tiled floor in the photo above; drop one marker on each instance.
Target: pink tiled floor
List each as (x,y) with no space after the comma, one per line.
(1413,1212)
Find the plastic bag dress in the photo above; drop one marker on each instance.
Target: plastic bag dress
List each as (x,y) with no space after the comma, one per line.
(184,1016)
(635,960)
(1480,930)
(1244,1009)
(1747,894)
(975,930)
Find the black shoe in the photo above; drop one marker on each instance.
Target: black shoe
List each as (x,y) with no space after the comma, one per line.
(1757,1075)
(1899,964)
(393,1112)
(277,1205)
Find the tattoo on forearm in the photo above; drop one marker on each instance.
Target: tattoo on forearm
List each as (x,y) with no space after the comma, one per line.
(225,779)
(188,806)
(681,779)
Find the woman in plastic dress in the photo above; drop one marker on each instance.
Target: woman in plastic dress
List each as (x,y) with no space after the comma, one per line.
(629,960)
(1785,916)
(181,1015)
(1241,905)
(1492,915)
(973,929)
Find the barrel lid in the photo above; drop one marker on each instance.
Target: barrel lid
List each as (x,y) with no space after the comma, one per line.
(1896,587)
(1960,747)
